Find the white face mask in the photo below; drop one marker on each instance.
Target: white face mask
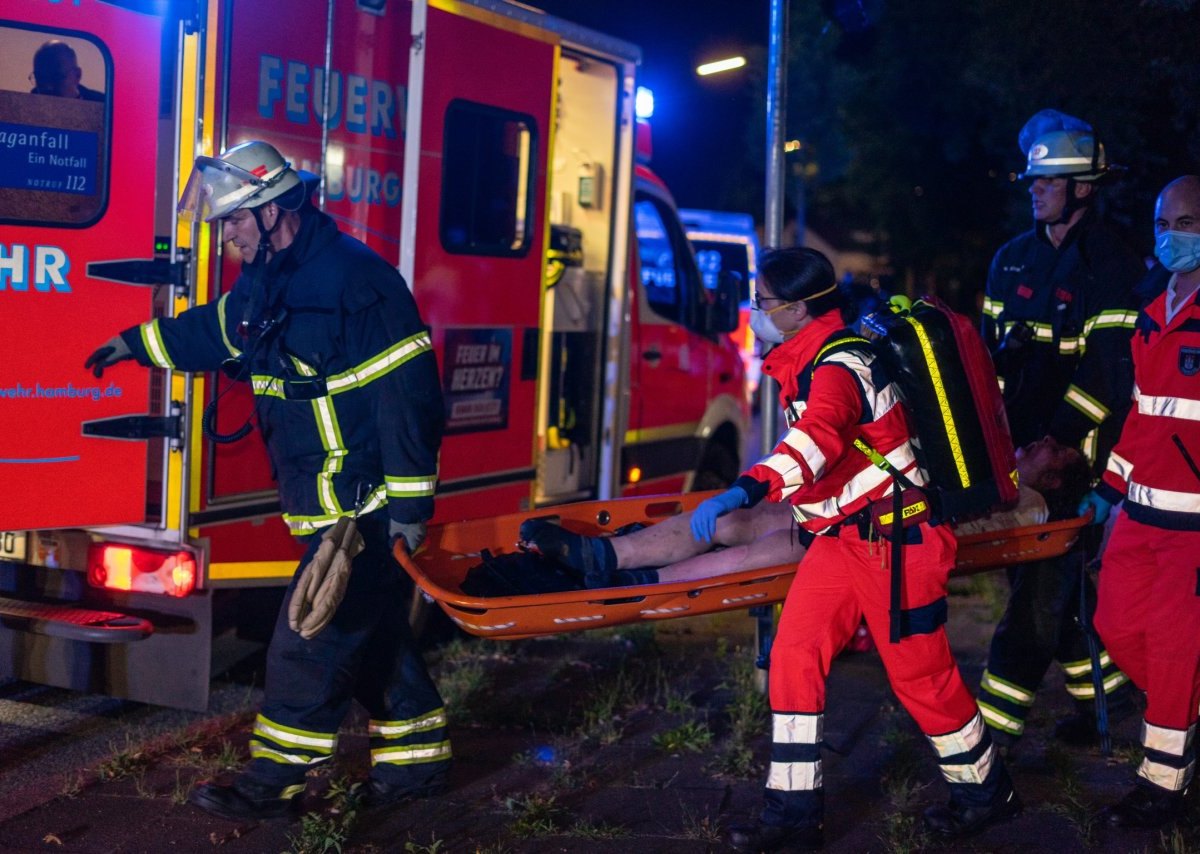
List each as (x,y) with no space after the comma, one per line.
(764,327)
(1179,251)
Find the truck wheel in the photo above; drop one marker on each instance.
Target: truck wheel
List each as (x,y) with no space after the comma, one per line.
(718,469)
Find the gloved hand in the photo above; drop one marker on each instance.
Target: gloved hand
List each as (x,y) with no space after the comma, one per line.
(704,517)
(322,583)
(1099,506)
(413,534)
(112,351)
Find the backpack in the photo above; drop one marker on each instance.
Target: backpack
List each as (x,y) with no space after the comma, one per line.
(946,379)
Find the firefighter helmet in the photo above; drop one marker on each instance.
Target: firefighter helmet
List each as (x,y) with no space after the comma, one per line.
(245,176)
(1060,146)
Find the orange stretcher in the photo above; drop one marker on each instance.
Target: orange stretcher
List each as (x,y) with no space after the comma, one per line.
(454,548)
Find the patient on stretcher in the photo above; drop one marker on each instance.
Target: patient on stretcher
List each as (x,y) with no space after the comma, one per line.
(1053,478)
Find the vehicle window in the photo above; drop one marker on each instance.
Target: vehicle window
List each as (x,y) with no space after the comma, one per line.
(713,256)
(54,126)
(487,180)
(659,261)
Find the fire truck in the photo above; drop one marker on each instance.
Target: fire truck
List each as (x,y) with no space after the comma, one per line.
(488,150)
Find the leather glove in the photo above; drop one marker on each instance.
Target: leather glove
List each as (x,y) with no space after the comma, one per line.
(322,583)
(1099,506)
(112,351)
(413,534)
(704,517)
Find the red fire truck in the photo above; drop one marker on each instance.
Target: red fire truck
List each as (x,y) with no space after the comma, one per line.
(489,150)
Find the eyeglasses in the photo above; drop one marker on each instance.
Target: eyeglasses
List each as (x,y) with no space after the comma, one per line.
(758,301)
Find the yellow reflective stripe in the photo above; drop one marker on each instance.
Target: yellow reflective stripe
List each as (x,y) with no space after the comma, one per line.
(260,751)
(1079,668)
(221,303)
(319,741)
(1085,403)
(1069,346)
(935,376)
(1090,446)
(1111,319)
(997,719)
(410,487)
(992,307)
(267,386)
(399,729)
(292,791)
(325,417)
(309,524)
(1008,690)
(411,755)
(156,348)
(1042,332)
(372,369)
(853,339)
(794,776)
(1086,691)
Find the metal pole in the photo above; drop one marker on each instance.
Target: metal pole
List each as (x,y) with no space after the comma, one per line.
(773,224)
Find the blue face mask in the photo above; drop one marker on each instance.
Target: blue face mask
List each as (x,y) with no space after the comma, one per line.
(1179,251)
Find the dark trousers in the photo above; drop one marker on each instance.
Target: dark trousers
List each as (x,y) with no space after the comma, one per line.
(366,653)
(1041,625)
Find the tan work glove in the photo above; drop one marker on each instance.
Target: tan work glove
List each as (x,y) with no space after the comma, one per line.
(323,580)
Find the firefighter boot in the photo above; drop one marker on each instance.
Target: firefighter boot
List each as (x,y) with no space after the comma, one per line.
(1146,807)
(377,793)
(1079,729)
(958,819)
(592,559)
(245,799)
(761,837)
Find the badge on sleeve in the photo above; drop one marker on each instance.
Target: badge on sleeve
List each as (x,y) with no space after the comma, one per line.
(1189,361)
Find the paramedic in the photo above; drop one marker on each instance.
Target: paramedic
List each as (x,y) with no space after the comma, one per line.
(1149,604)
(1053,478)
(349,405)
(840,406)
(1058,313)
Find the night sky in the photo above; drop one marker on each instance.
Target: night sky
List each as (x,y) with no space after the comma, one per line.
(698,121)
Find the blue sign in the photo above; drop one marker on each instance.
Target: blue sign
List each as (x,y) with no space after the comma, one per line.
(50,159)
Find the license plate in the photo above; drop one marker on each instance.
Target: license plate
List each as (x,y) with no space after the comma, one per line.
(12,545)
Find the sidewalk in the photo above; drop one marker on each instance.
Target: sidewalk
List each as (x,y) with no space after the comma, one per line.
(634,740)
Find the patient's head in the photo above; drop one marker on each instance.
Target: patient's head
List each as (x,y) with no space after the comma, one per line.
(1059,472)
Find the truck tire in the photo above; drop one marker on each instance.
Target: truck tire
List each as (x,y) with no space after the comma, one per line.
(718,468)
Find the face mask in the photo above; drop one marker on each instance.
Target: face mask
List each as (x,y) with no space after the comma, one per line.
(764,327)
(1179,251)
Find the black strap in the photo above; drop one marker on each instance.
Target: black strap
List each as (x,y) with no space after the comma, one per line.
(896,613)
(1093,644)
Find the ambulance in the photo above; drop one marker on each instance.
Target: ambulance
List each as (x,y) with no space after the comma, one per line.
(488,150)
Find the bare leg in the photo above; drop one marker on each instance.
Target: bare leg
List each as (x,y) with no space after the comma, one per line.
(671,541)
(777,548)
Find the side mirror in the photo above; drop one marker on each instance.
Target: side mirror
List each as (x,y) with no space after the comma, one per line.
(721,311)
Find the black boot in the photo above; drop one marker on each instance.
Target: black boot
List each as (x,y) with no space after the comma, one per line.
(760,837)
(591,559)
(1079,729)
(377,793)
(957,819)
(1145,806)
(242,801)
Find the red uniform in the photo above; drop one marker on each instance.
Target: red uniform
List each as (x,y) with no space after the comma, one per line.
(834,392)
(1149,602)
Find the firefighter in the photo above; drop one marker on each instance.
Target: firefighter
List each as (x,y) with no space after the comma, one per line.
(1149,604)
(1058,314)
(348,402)
(841,406)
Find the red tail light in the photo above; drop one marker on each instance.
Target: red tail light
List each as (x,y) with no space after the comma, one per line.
(141,570)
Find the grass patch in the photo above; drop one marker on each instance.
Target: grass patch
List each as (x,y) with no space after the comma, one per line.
(326,831)
(534,816)
(749,716)
(902,831)
(435,846)
(1071,804)
(589,830)
(703,828)
(125,762)
(690,737)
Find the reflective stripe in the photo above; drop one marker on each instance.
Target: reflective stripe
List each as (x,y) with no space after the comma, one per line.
(398,729)
(992,307)
(308,524)
(319,741)
(258,750)
(156,348)
(797,729)
(973,772)
(411,755)
(410,487)
(291,791)
(1173,741)
(1119,466)
(802,443)
(999,720)
(939,390)
(1086,404)
(1166,777)
(1086,691)
(879,400)
(267,386)
(862,484)
(387,361)
(1116,318)
(1163,499)
(221,303)
(788,469)
(1090,445)
(794,776)
(1079,668)
(1169,407)
(1008,690)
(961,740)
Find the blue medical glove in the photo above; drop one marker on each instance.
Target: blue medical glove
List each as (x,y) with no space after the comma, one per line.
(704,517)
(1099,506)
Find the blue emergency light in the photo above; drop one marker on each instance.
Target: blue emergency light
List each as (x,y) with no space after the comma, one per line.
(643,103)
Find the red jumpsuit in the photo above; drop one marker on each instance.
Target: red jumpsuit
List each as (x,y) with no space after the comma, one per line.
(1148,611)
(834,391)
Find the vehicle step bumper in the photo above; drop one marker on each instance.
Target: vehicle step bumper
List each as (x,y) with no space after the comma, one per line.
(71,623)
